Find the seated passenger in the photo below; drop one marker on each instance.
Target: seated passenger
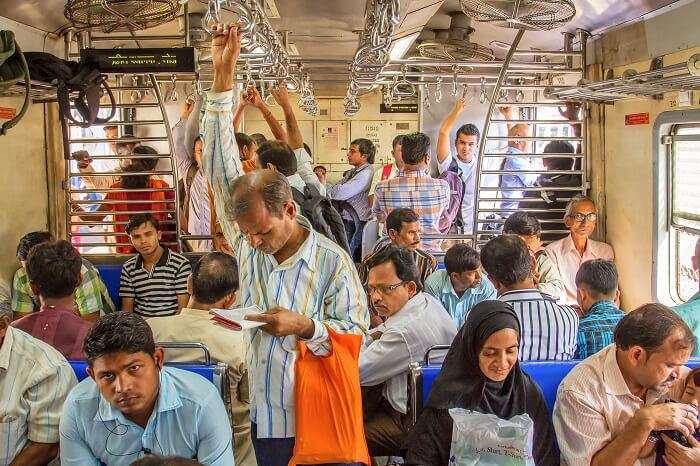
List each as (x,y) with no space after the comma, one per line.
(53,269)
(690,311)
(415,322)
(608,405)
(570,252)
(321,173)
(213,284)
(481,373)
(131,405)
(414,188)
(460,286)
(548,330)
(34,382)
(404,231)
(353,192)
(544,272)
(514,162)
(154,282)
(597,294)
(91,296)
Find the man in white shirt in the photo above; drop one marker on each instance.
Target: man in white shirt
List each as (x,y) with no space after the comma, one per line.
(462,161)
(35,380)
(611,407)
(570,252)
(213,285)
(516,162)
(415,322)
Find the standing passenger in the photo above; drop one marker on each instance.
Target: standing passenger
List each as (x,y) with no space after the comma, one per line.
(570,252)
(302,280)
(514,162)
(690,311)
(389,170)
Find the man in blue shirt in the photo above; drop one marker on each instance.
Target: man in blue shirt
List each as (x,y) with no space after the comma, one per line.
(690,311)
(460,286)
(597,293)
(515,162)
(132,406)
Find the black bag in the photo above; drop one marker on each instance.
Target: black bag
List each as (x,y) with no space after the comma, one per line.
(13,69)
(324,218)
(72,77)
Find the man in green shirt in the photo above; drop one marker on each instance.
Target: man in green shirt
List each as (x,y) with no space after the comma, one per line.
(91,296)
(690,311)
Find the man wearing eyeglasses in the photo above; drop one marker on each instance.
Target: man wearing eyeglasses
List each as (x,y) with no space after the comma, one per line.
(415,321)
(570,252)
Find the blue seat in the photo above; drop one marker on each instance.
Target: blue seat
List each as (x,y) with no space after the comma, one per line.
(110,274)
(547,374)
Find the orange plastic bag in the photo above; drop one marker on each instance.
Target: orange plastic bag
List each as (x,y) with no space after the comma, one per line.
(329,424)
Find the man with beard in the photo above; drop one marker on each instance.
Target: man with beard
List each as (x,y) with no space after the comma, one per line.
(612,404)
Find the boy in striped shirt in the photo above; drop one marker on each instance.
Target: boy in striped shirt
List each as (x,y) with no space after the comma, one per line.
(154,282)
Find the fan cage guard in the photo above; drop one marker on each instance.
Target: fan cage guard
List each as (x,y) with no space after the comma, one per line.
(531,14)
(120,15)
(455,50)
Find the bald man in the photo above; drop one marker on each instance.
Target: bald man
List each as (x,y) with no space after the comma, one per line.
(514,162)
(690,311)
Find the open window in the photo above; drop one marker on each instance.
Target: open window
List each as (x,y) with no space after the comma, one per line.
(677,205)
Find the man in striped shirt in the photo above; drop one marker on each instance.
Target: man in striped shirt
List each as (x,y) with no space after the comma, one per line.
(154,282)
(414,188)
(301,279)
(597,294)
(548,330)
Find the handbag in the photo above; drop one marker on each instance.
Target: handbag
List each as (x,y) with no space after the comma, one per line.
(13,69)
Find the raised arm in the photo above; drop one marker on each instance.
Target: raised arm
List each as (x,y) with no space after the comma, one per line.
(259,103)
(443,144)
(281,95)
(220,159)
(238,113)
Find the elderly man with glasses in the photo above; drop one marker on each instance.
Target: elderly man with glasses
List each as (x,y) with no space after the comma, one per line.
(570,252)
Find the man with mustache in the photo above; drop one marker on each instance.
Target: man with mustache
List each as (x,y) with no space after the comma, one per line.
(132,406)
(415,321)
(612,405)
(404,230)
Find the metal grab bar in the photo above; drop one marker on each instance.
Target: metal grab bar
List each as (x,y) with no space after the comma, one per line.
(192,345)
(426,359)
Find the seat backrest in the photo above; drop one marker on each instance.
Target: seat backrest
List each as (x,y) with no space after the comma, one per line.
(110,274)
(547,374)
(370,235)
(215,373)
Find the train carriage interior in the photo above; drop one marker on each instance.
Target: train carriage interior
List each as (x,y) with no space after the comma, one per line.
(551,120)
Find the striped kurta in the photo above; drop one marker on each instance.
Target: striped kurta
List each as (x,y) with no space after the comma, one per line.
(548,330)
(319,281)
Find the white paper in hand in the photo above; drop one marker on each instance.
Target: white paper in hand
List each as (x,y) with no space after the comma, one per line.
(234,319)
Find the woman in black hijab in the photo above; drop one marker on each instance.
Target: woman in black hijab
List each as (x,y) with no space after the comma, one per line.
(481,373)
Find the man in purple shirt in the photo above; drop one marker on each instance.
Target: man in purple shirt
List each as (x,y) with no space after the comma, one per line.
(53,269)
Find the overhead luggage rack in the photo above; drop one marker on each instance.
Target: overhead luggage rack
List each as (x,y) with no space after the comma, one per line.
(683,76)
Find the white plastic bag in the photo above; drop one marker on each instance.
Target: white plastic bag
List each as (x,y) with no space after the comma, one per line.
(486,440)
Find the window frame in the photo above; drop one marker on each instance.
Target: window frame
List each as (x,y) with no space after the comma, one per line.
(665,247)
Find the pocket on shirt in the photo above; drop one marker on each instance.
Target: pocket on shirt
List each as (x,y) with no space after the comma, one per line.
(10,427)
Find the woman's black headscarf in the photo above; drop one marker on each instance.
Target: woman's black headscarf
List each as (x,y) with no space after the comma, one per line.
(461,384)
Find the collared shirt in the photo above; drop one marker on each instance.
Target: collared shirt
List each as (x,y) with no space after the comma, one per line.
(34,382)
(428,197)
(90,296)
(189,420)
(690,313)
(155,292)
(522,180)
(296,182)
(550,282)
(406,336)
(230,347)
(567,260)
(467,172)
(595,329)
(548,330)
(439,286)
(319,280)
(425,262)
(305,170)
(354,188)
(594,405)
(59,327)
(379,175)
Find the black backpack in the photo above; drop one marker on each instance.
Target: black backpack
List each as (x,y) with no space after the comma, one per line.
(71,77)
(324,218)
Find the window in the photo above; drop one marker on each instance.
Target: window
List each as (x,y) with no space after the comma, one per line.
(685,206)
(677,205)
